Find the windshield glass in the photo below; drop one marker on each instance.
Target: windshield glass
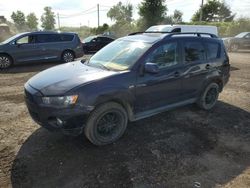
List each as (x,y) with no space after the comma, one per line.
(11,38)
(119,55)
(241,35)
(88,39)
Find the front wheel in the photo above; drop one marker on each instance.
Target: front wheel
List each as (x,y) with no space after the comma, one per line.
(68,56)
(106,124)
(5,61)
(209,97)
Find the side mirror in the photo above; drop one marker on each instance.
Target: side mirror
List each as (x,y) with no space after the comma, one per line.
(151,68)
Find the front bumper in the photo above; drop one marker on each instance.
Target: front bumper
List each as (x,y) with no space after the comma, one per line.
(70,120)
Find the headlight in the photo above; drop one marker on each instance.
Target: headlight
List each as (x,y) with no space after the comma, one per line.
(60,101)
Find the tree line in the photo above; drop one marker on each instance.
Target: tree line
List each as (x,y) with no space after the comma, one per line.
(30,21)
(151,12)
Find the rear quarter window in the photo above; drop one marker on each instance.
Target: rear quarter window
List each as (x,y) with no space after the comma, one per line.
(66,37)
(213,50)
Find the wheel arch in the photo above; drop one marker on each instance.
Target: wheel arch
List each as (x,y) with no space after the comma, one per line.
(7,54)
(119,100)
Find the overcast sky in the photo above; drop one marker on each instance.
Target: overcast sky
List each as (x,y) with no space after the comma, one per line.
(84,12)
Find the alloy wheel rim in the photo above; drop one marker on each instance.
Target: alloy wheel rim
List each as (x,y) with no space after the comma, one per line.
(4,62)
(68,57)
(211,96)
(108,124)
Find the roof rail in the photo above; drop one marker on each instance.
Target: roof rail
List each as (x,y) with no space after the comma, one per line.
(170,34)
(192,33)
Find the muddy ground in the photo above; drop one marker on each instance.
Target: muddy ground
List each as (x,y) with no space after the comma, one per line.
(186,147)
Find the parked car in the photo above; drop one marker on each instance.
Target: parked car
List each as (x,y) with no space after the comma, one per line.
(39,47)
(240,41)
(93,44)
(134,77)
(184,28)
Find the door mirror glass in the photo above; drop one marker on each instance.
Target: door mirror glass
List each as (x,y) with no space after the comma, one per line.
(151,68)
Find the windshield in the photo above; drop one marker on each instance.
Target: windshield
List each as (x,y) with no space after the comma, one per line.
(241,35)
(119,55)
(11,38)
(88,39)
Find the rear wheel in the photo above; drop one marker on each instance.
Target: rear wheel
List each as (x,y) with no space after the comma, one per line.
(209,97)
(68,56)
(106,124)
(5,61)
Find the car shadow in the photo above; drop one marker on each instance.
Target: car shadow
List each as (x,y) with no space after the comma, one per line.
(173,149)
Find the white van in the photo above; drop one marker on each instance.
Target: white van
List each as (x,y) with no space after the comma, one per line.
(184,28)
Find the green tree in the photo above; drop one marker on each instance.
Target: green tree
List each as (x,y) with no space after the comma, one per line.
(177,17)
(48,19)
(100,29)
(152,12)
(18,18)
(214,11)
(121,13)
(32,21)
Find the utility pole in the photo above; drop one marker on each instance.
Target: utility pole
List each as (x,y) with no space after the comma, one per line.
(202,1)
(58,21)
(98,15)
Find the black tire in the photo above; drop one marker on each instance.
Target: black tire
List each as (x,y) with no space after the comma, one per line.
(106,124)
(68,56)
(209,97)
(5,61)
(234,47)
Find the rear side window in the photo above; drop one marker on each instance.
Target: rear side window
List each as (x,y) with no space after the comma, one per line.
(46,38)
(65,37)
(213,51)
(194,51)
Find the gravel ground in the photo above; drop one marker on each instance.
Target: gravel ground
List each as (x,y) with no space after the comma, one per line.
(186,147)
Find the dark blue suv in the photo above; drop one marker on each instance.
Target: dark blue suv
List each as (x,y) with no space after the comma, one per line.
(134,77)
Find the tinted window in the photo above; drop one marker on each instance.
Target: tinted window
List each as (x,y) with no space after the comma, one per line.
(42,38)
(65,37)
(165,55)
(194,51)
(212,50)
(105,39)
(54,38)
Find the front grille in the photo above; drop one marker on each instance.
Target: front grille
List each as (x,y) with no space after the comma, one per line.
(28,96)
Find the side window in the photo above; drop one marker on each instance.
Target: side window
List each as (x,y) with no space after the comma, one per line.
(247,36)
(213,50)
(165,55)
(43,38)
(23,40)
(66,37)
(54,38)
(194,51)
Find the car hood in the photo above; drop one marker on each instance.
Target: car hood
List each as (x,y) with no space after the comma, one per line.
(62,78)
